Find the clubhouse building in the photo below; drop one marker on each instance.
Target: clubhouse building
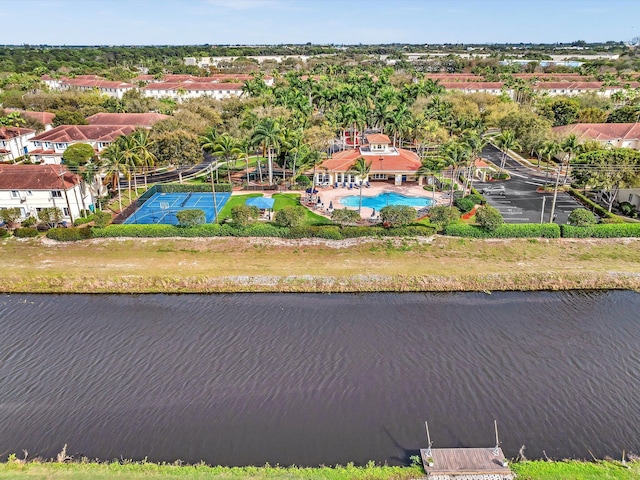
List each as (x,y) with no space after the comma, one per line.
(388,163)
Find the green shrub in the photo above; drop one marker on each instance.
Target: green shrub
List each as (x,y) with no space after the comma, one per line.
(397,215)
(82,220)
(476,198)
(329,232)
(441,216)
(191,217)
(509,230)
(290,216)
(70,234)
(594,207)
(25,232)
(344,216)
(581,217)
(29,221)
(4,233)
(101,219)
(603,230)
(243,215)
(489,218)
(445,185)
(628,209)
(10,215)
(303,180)
(464,204)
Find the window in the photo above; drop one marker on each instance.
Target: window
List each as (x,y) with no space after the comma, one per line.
(15,194)
(65,210)
(379,176)
(56,194)
(29,193)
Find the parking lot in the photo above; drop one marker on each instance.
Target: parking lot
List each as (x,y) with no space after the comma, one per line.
(521,203)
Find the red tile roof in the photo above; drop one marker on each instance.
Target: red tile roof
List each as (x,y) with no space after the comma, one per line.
(378,138)
(404,161)
(602,131)
(95,83)
(472,85)
(7,133)
(134,119)
(44,118)
(83,133)
(193,86)
(36,177)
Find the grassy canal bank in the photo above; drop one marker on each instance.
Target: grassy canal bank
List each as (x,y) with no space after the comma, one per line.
(536,470)
(173,265)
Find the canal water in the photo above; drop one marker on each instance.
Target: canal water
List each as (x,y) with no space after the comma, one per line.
(318,379)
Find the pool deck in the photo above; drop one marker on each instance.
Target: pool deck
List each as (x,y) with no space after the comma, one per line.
(334,195)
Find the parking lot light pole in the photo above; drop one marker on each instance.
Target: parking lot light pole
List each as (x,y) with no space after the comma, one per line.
(555,195)
(544,199)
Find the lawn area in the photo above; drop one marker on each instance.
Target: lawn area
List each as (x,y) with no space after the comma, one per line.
(233,201)
(293,199)
(536,470)
(266,264)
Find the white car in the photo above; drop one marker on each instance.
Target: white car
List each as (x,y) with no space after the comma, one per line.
(493,190)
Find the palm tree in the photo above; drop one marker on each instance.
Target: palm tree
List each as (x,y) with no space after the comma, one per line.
(506,141)
(267,133)
(313,159)
(115,165)
(247,148)
(571,147)
(142,146)
(454,155)
(361,168)
(431,166)
(475,143)
(549,150)
(226,146)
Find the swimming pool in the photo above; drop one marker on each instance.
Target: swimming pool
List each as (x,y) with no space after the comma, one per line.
(383,199)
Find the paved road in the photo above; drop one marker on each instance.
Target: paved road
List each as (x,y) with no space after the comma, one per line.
(521,203)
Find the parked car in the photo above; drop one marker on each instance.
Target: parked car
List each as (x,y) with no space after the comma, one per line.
(493,190)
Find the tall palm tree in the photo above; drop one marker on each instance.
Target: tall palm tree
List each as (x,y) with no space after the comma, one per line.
(226,146)
(361,168)
(454,154)
(267,134)
(142,145)
(313,159)
(548,151)
(506,141)
(475,143)
(431,166)
(571,147)
(247,148)
(115,163)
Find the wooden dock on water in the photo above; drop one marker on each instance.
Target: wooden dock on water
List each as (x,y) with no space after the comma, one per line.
(465,463)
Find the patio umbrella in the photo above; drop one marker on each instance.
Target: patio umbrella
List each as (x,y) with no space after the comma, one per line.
(331,204)
(373,214)
(319,201)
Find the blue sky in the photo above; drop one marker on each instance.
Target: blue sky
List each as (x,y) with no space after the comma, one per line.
(177,22)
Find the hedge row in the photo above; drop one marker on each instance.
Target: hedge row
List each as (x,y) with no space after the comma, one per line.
(26,232)
(331,232)
(70,234)
(602,230)
(193,187)
(507,230)
(594,207)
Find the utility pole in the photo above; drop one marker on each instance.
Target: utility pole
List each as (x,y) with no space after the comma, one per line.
(544,199)
(555,195)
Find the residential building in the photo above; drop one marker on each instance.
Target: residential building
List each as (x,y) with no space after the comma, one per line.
(14,142)
(613,135)
(48,147)
(142,120)
(88,83)
(186,90)
(34,187)
(387,163)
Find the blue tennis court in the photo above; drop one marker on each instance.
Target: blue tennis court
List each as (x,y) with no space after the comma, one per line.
(162,207)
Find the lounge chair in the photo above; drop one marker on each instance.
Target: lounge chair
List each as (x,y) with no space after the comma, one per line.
(367,184)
